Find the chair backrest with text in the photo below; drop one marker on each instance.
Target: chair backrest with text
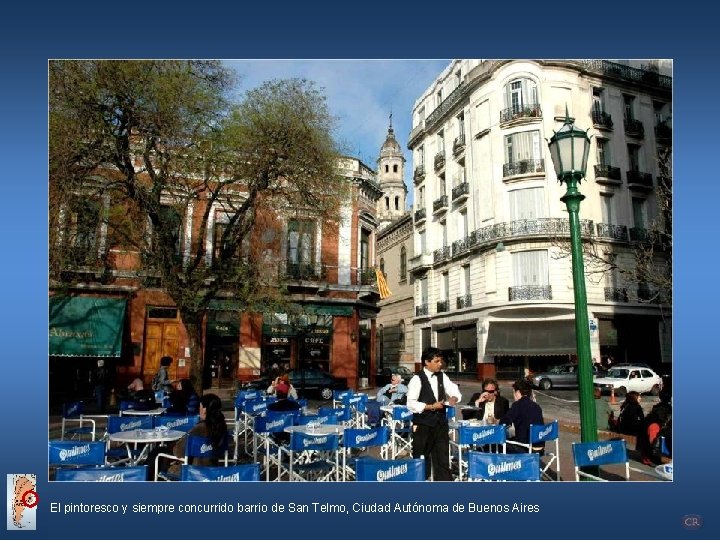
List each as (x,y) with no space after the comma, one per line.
(595,454)
(503,467)
(76,453)
(249,472)
(178,423)
(390,470)
(103,474)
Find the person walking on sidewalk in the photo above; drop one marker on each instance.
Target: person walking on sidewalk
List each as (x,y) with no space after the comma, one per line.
(428,391)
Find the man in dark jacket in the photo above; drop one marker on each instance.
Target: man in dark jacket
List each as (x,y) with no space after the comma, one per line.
(523,413)
(490,404)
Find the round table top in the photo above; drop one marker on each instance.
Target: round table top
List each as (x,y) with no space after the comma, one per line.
(321,429)
(470,423)
(149,412)
(665,470)
(146,435)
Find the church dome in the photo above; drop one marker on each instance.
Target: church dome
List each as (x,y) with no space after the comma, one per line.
(390,148)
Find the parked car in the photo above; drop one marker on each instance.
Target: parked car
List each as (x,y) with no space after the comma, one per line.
(561,376)
(314,382)
(628,378)
(383,377)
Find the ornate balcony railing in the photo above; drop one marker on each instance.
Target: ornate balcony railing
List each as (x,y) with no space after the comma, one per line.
(634,128)
(461,190)
(459,246)
(525,166)
(447,104)
(419,174)
(605,67)
(420,215)
(464,301)
(614,232)
(367,276)
(441,254)
(530,292)
(638,234)
(602,120)
(663,133)
(303,271)
(421,310)
(459,144)
(440,203)
(443,305)
(639,179)
(607,172)
(616,294)
(439,160)
(531,110)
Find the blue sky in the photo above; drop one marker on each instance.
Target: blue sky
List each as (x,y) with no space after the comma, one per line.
(361,94)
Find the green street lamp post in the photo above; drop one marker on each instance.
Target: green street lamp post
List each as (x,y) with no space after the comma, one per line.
(569,148)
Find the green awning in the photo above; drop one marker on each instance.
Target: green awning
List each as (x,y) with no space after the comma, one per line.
(531,338)
(338,310)
(86,326)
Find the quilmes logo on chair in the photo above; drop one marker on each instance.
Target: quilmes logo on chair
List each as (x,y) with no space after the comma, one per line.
(480,435)
(504,467)
(118,477)
(598,452)
(365,438)
(545,432)
(177,423)
(206,448)
(133,424)
(235,477)
(75,451)
(314,441)
(392,472)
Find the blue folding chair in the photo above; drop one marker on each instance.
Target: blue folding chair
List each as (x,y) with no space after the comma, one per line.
(339,396)
(322,465)
(357,404)
(126,406)
(73,414)
(249,472)
(361,439)
(596,454)
(103,474)
(664,449)
(400,423)
(389,470)
(246,411)
(196,446)
(474,436)
(488,467)
(544,433)
(76,453)
(317,419)
(265,427)
(115,424)
(342,415)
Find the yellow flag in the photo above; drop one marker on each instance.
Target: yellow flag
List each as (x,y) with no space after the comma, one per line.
(382,284)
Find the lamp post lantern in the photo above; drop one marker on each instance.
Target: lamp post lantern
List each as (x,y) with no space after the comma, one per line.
(569,148)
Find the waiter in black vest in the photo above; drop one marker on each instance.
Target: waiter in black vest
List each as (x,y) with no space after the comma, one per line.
(428,392)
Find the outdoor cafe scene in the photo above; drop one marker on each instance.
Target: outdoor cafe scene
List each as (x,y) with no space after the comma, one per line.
(421,431)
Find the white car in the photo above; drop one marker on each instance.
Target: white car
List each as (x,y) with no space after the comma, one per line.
(627,378)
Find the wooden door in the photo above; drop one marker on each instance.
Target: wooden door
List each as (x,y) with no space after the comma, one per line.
(161,339)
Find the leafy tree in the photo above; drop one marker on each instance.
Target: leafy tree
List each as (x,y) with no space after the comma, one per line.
(152,145)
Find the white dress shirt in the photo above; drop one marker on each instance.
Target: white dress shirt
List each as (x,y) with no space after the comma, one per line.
(451,390)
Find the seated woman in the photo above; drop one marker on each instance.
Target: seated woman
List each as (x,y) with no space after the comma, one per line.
(212,425)
(183,400)
(284,378)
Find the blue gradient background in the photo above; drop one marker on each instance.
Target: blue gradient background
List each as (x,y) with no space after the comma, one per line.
(370,30)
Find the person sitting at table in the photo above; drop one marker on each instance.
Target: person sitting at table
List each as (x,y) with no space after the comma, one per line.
(184,400)
(291,393)
(490,404)
(393,392)
(524,411)
(283,404)
(212,425)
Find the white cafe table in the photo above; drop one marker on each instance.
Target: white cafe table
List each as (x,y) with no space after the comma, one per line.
(149,412)
(147,437)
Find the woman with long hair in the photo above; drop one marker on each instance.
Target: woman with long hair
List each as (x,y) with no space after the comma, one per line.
(631,418)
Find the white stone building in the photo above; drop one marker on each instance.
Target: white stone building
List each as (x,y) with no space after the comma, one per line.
(492,275)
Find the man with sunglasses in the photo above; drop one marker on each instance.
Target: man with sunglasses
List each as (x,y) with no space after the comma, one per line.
(490,404)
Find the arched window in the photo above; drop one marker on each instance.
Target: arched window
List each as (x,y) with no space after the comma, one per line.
(387,168)
(401,335)
(403,263)
(382,264)
(387,203)
(397,203)
(394,168)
